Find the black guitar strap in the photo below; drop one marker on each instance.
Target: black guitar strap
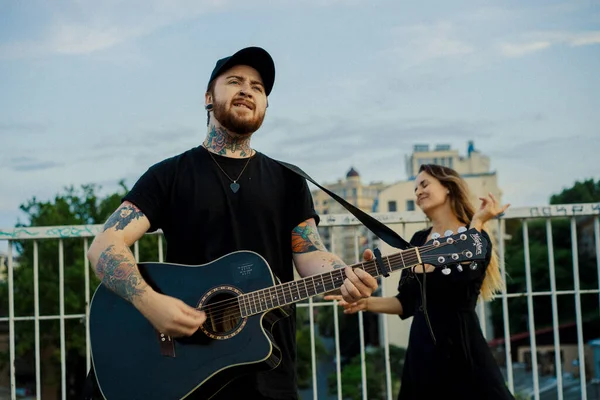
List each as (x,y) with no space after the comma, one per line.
(379,229)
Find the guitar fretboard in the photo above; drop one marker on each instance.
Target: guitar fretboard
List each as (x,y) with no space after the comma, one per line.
(298,290)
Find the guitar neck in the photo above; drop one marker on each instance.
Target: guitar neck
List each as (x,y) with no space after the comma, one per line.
(298,290)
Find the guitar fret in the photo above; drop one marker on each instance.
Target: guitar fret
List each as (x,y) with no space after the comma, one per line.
(287,294)
(322,285)
(277,295)
(254,304)
(303,295)
(247,305)
(262,301)
(333,280)
(312,291)
(377,271)
(295,286)
(281,295)
(270,298)
(243,302)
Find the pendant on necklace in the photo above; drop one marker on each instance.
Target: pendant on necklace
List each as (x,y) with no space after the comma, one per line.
(234,187)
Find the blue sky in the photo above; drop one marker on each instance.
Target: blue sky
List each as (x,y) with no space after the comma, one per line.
(97,91)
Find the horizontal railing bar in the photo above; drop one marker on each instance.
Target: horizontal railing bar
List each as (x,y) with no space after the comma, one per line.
(45,317)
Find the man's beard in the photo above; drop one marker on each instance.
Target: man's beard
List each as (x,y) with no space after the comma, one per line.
(233,123)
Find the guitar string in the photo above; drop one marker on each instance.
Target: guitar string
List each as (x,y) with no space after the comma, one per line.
(392,258)
(326,280)
(276,297)
(259,303)
(235,308)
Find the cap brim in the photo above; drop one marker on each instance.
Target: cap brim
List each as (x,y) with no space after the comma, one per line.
(257,58)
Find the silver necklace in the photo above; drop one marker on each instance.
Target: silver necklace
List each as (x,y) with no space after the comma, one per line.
(233,185)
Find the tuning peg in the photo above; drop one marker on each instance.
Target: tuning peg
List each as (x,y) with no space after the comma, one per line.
(441,259)
(473,265)
(462,229)
(459,268)
(435,235)
(448,233)
(446,270)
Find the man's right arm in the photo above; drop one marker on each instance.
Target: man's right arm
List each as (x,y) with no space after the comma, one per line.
(115,266)
(111,258)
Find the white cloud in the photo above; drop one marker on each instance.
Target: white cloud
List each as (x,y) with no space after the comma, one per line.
(425,42)
(518,50)
(84,27)
(537,41)
(87,27)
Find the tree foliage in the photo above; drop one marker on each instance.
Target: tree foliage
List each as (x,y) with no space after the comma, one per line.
(375,374)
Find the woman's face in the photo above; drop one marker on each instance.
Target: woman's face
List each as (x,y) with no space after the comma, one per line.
(429,192)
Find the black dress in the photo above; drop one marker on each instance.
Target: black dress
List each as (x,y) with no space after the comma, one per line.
(448,357)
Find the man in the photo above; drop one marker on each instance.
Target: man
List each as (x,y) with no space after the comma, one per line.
(217,198)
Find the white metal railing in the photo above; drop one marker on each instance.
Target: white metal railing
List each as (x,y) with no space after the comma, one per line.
(396,220)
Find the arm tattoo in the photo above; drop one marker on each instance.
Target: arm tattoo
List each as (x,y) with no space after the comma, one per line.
(305,238)
(119,274)
(334,262)
(122,217)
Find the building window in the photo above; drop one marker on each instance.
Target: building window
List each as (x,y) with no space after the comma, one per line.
(354,192)
(392,206)
(410,205)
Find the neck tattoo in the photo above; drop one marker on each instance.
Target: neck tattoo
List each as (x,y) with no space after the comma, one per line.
(220,141)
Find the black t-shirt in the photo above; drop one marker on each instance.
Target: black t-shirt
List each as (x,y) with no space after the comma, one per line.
(189,198)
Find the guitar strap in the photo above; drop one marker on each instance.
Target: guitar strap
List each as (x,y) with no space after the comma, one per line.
(379,229)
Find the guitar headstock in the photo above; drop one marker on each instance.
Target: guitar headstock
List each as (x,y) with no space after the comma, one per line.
(463,247)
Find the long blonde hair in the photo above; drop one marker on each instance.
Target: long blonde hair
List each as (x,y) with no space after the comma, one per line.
(460,203)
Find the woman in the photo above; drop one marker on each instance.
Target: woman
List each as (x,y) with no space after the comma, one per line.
(447,354)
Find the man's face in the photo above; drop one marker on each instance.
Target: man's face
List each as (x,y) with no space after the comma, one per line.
(239,100)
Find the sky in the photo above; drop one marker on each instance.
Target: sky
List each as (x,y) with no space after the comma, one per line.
(97,91)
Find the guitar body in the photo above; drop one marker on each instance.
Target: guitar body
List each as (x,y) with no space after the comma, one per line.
(126,349)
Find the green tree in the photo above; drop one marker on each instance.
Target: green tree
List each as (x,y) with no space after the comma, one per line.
(587,191)
(376,378)
(72,207)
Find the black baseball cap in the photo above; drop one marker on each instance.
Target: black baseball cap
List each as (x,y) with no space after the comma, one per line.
(254,57)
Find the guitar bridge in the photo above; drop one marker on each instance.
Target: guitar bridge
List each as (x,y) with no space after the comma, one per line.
(167,348)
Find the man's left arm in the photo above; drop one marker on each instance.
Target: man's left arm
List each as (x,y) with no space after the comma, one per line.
(311,257)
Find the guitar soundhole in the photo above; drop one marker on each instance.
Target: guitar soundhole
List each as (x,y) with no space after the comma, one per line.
(223,319)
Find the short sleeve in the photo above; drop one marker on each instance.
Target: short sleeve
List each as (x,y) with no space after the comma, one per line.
(301,204)
(406,294)
(407,289)
(151,194)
